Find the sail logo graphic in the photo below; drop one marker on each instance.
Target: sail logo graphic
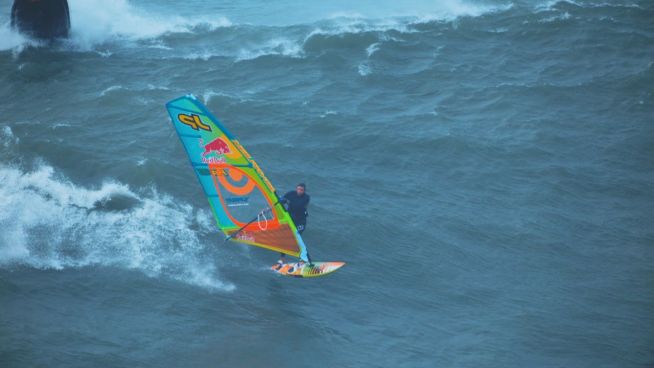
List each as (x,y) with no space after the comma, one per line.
(237,201)
(214,151)
(193,121)
(245,237)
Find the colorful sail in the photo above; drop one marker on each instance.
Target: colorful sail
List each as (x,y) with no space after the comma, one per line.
(240,195)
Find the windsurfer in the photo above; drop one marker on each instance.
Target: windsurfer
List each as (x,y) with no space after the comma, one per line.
(296,202)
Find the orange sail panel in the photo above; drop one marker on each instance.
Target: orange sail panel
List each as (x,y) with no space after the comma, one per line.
(242,199)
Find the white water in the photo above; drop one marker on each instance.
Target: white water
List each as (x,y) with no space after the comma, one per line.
(97,22)
(49,222)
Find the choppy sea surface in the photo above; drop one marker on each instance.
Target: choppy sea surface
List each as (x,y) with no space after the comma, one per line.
(485,168)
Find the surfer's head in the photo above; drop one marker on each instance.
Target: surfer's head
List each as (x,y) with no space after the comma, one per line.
(300,188)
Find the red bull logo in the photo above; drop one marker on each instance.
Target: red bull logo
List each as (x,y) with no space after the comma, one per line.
(214,151)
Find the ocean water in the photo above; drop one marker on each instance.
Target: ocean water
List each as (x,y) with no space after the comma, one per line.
(485,168)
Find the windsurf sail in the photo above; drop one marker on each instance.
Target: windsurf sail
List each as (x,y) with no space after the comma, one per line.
(243,200)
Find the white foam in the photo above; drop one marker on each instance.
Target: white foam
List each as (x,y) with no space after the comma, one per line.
(7,136)
(451,10)
(60,125)
(345,23)
(391,15)
(49,222)
(148,87)
(556,18)
(364,69)
(104,54)
(152,87)
(372,49)
(342,26)
(110,89)
(159,46)
(97,21)
(205,55)
(275,46)
(551,5)
(209,94)
(12,40)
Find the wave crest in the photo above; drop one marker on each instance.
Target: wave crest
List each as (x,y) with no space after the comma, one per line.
(49,222)
(96,21)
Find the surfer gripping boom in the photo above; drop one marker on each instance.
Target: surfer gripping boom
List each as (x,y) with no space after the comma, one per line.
(296,202)
(244,202)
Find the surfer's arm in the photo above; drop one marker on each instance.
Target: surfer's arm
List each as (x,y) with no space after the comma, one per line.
(284,200)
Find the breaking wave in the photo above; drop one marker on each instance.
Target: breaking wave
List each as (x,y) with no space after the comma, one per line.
(11,40)
(48,222)
(96,21)
(96,24)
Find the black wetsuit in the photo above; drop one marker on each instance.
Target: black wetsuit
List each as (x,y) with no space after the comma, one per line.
(297,208)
